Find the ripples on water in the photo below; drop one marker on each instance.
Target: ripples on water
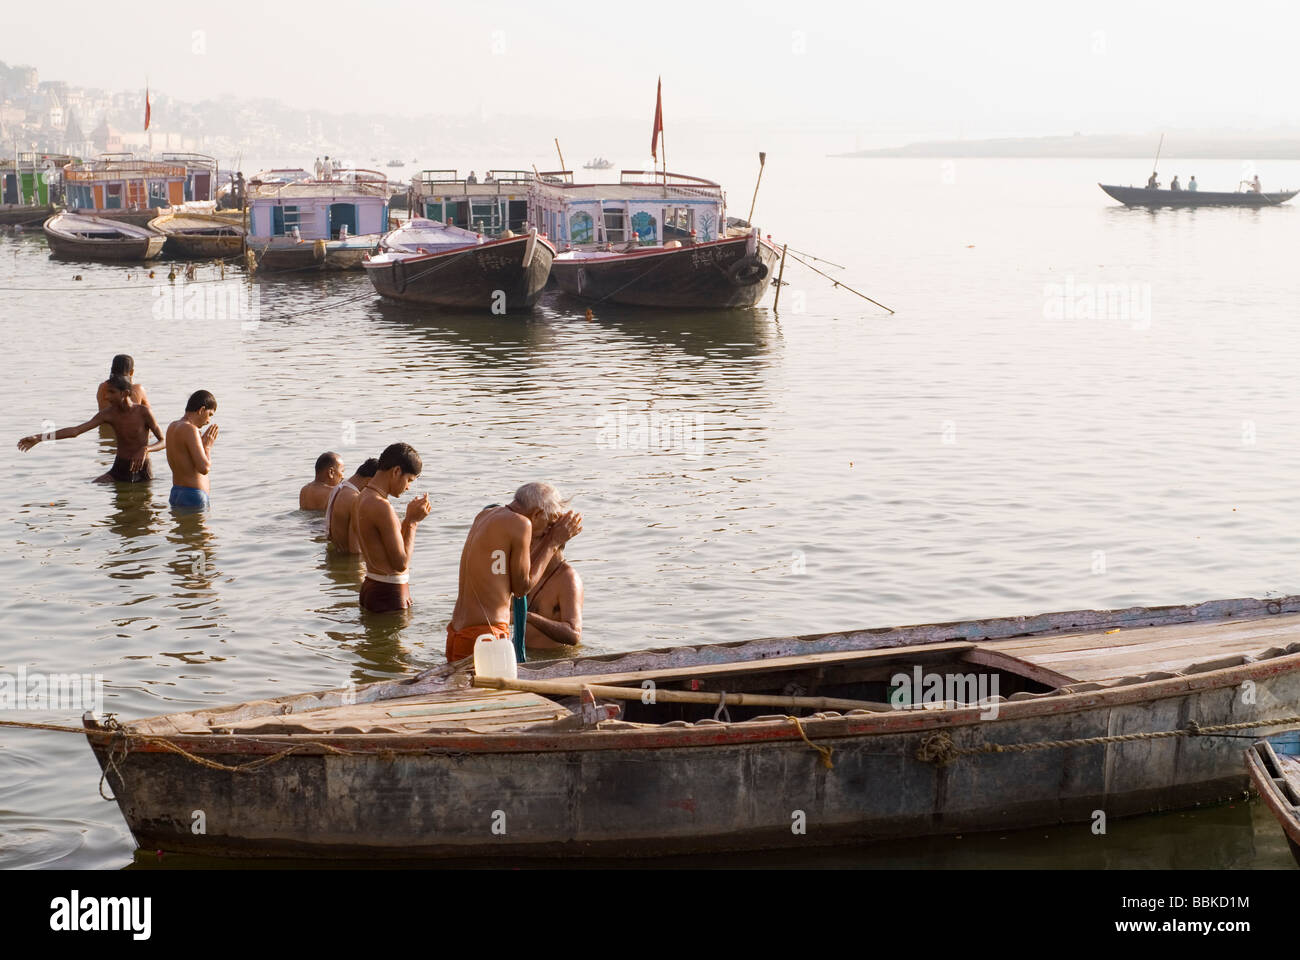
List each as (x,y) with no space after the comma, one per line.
(966,457)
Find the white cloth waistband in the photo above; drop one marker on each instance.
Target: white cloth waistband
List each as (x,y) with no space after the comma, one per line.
(403,577)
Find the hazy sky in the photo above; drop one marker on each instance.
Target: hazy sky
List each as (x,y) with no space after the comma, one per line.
(882,71)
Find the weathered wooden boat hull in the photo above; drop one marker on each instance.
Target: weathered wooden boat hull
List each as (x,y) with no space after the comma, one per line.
(1142,197)
(22,214)
(286,254)
(501,275)
(115,250)
(705,276)
(192,236)
(629,789)
(1276,776)
(139,218)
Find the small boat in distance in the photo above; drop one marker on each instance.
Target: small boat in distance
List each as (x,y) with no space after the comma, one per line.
(1147,197)
(396,163)
(76,237)
(1274,768)
(443,265)
(598,163)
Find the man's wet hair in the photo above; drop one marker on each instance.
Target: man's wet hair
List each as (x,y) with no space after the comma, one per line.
(327,460)
(123,365)
(200,399)
(119,382)
(401,455)
(369,468)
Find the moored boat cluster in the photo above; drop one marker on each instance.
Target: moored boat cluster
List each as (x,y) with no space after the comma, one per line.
(654,238)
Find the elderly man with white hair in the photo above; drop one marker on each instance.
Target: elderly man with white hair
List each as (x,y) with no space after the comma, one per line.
(507,553)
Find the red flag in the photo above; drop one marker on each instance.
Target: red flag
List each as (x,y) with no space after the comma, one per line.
(146,107)
(659,120)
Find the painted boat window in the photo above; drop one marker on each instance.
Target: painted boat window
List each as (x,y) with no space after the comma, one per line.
(157,193)
(615,225)
(11,188)
(645,228)
(342,215)
(517,216)
(486,218)
(433,210)
(135,195)
(678,223)
(580,227)
(113,197)
(283,220)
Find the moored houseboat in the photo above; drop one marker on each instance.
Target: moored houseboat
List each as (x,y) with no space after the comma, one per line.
(31,187)
(327,224)
(442,265)
(121,187)
(653,239)
(934,729)
(498,202)
(77,237)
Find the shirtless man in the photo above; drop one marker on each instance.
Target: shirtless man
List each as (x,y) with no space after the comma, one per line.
(329,473)
(502,559)
(131,422)
(122,366)
(338,510)
(555,607)
(386,545)
(189,454)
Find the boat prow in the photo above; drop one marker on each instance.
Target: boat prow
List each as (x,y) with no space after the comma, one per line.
(1274,768)
(78,237)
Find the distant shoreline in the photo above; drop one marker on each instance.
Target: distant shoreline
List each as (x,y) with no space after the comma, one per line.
(1180,146)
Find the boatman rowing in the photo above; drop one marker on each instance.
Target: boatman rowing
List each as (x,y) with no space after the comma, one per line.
(506,553)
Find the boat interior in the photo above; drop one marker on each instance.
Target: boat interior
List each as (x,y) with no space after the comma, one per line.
(944,673)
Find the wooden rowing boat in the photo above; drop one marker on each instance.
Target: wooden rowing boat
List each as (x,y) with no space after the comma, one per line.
(201,236)
(1274,769)
(721,274)
(1143,197)
(1120,711)
(444,266)
(78,237)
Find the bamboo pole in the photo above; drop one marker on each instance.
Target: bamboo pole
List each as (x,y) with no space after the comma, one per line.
(560,152)
(762,162)
(779,275)
(574,688)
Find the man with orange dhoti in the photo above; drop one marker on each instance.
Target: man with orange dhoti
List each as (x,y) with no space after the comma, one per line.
(506,554)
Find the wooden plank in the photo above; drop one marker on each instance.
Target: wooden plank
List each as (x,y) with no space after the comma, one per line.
(471,706)
(1101,663)
(928,651)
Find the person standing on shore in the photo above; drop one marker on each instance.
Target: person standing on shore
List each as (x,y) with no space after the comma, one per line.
(387,545)
(189,453)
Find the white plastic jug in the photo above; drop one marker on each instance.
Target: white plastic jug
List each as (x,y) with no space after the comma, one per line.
(495,657)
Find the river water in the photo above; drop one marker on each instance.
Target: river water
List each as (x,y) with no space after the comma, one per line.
(1075,405)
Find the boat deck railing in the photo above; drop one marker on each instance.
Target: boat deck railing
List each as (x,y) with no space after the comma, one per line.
(101,169)
(444,182)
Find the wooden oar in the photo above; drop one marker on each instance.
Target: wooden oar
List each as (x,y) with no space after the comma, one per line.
(574,688)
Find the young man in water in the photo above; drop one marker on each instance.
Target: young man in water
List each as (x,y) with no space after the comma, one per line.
(131,422)
(338,509)
(189,453)
(387,545)
(122,366)
(502,559)
(329,474)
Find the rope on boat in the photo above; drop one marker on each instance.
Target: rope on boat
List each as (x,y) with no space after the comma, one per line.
(838,283)
(938,748)
(824,751)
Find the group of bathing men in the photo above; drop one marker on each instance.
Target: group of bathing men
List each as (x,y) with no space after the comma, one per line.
(516,550)
(124,406)
(511,550)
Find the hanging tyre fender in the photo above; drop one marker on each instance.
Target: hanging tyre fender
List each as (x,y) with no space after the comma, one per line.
(399,276)
(747,270)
